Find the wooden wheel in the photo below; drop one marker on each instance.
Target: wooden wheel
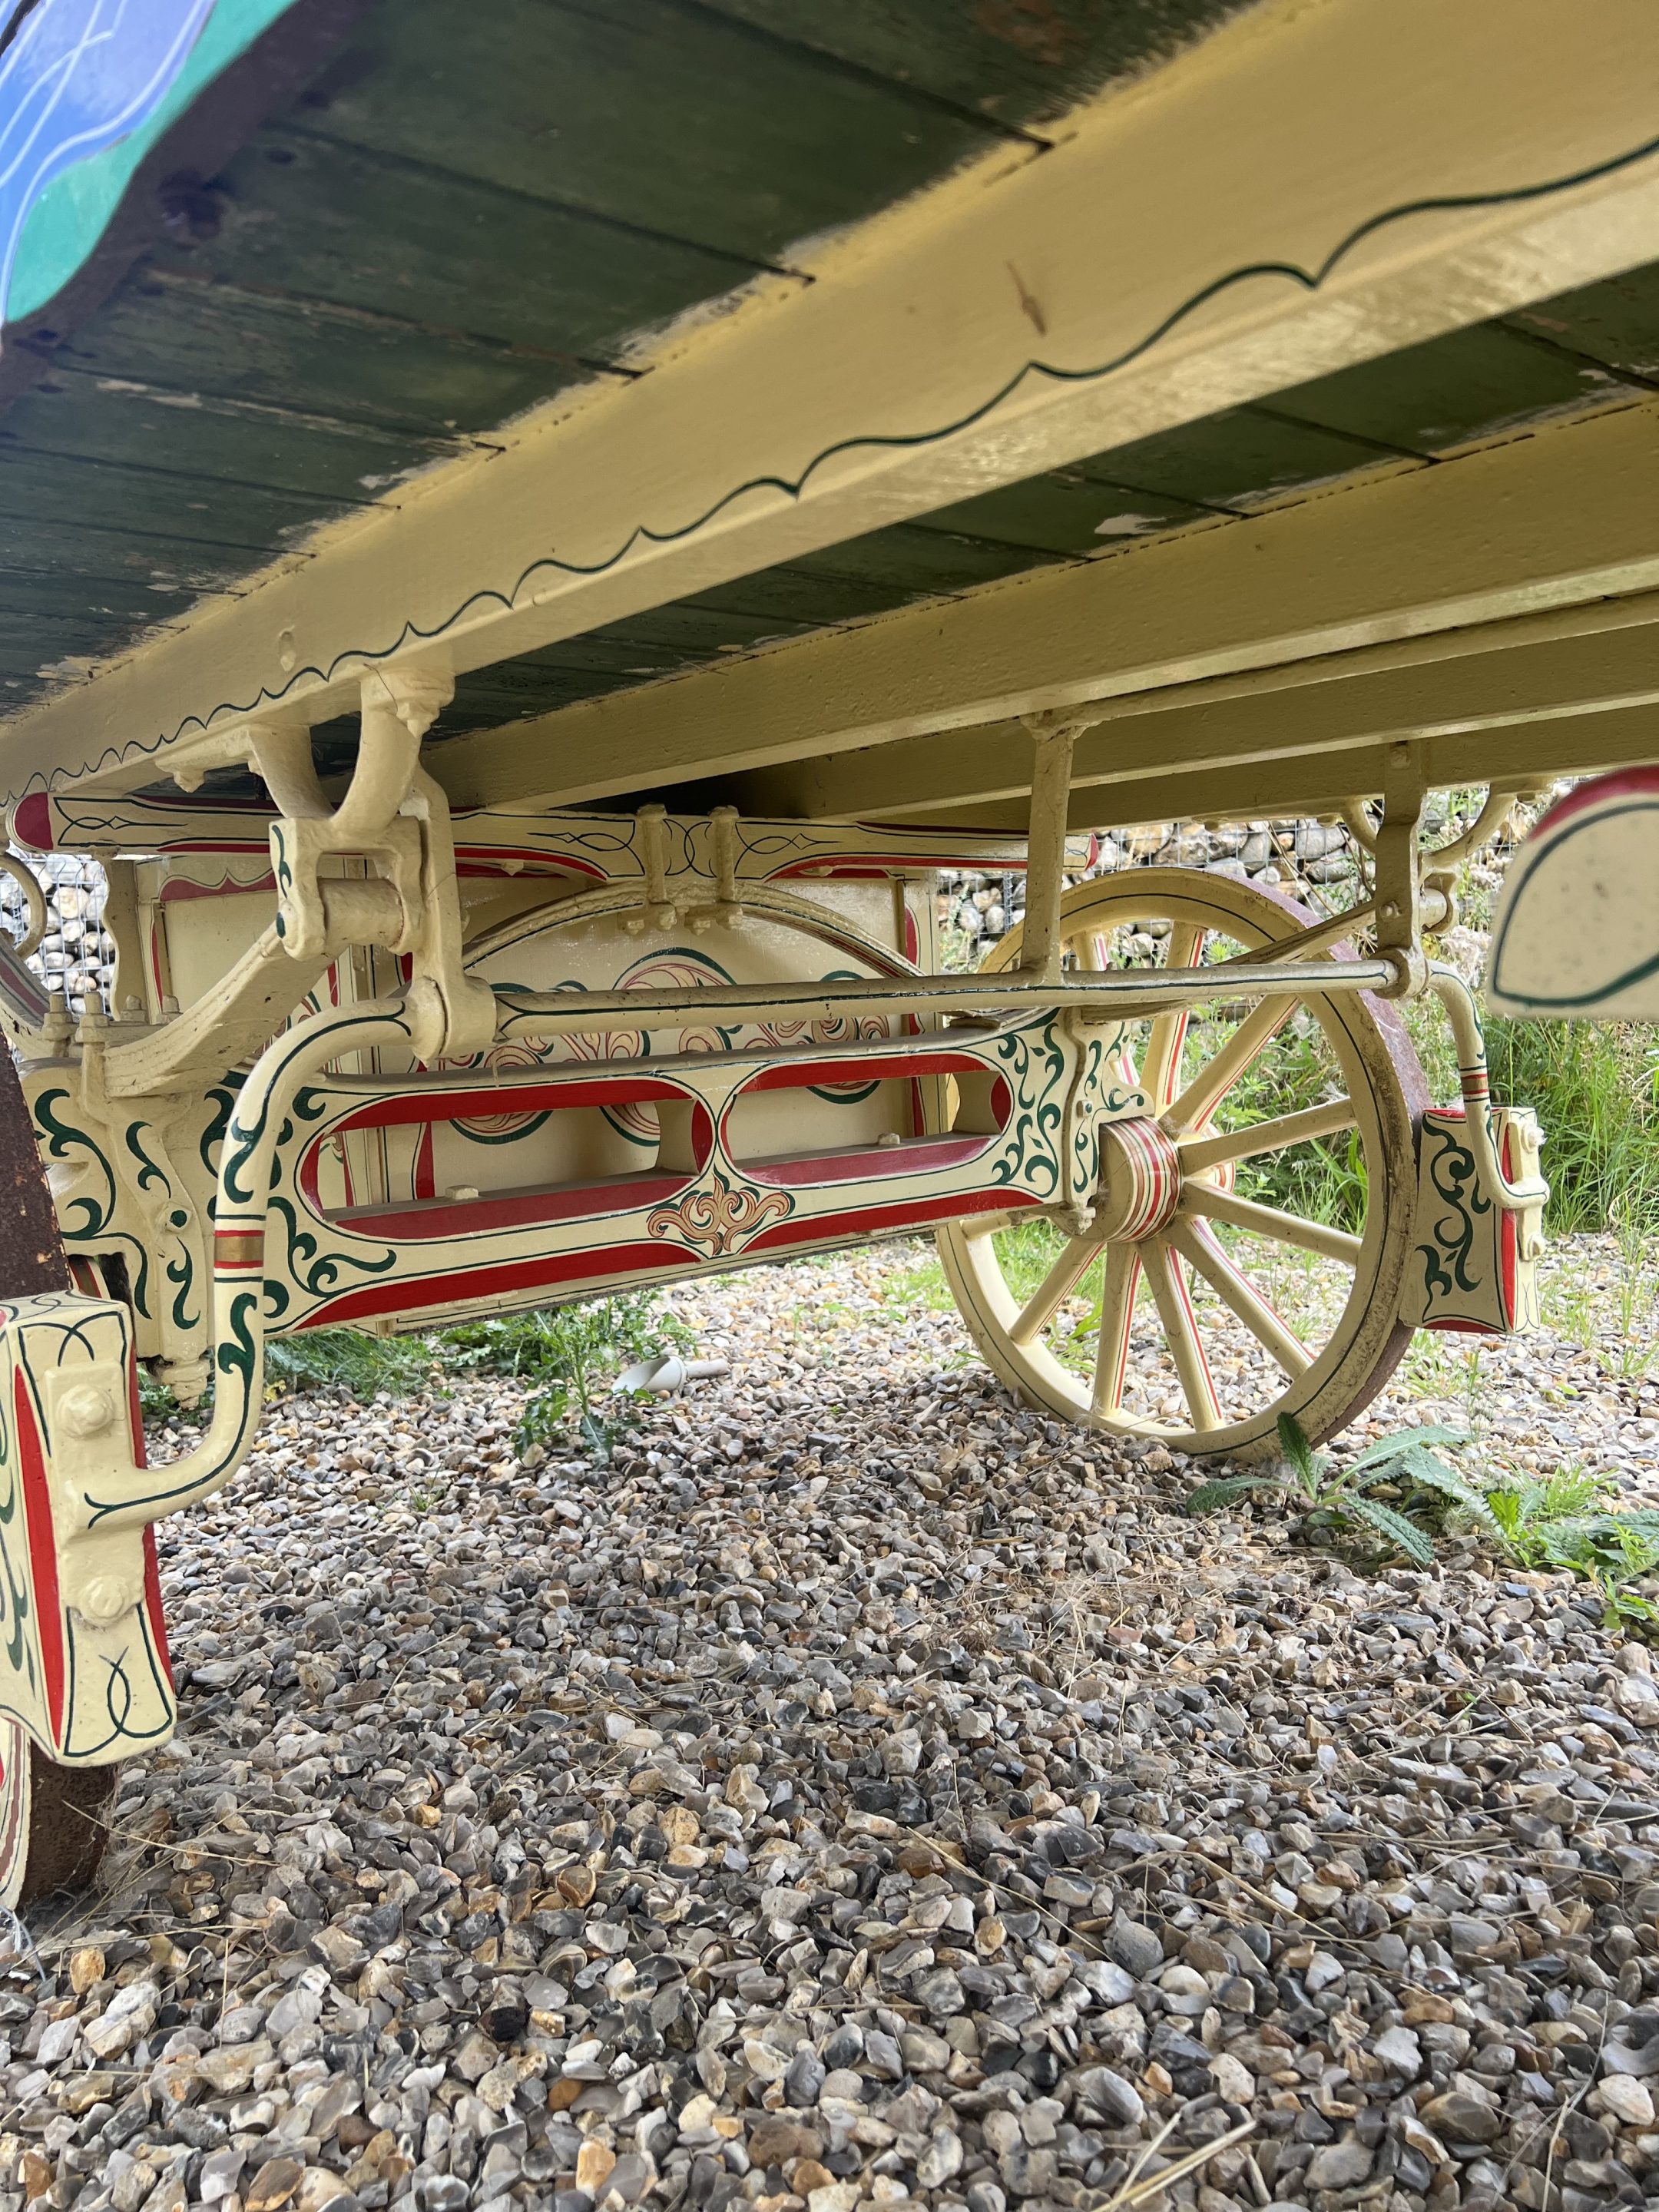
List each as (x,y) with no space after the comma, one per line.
(1252,1225)
(54,1820)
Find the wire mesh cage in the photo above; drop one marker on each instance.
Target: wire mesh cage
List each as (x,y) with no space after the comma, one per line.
(75,955)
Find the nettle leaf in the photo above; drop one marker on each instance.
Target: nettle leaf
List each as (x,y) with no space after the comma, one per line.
(1226,1490)
(1434,1474)
(1404,1440)
(1405,1535)
(1299,1453)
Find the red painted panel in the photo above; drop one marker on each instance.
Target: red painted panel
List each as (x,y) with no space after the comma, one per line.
(42,1552)
(425,1173)
(541,1272)
(158,1626)
(569,1269)
(31,822)
(518,1209)
(551,1097)
(920,1156)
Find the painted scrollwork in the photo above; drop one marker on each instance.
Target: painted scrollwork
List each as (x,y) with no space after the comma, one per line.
(718,1217)
(1033,1060)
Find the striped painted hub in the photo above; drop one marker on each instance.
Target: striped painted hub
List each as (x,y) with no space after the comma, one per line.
(1139,1181)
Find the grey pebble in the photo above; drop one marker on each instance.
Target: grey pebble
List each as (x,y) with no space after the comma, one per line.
(778,1789)
(1136,1949)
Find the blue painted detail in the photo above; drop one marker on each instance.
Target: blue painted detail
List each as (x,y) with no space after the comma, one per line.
(79,75)
(87,87)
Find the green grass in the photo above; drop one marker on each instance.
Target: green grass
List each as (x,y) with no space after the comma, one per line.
(349,1360)
(1324,1180)
(1596,1088)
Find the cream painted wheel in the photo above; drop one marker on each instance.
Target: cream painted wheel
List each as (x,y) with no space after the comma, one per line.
(1229,1275)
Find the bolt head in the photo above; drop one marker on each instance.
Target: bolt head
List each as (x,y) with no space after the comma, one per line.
(85,1411)
(104,1599)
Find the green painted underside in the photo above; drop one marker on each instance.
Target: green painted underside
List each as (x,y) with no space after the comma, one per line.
(474,208)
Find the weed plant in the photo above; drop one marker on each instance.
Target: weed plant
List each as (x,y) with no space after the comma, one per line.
(1398,1498)
(1346,1506)
(570,1354)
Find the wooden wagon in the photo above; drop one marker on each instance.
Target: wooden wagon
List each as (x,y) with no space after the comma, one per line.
(534,530)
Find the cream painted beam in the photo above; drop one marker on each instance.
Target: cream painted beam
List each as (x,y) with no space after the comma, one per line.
(1546,526)
(1318,183)
(1347,701)
(1318,783)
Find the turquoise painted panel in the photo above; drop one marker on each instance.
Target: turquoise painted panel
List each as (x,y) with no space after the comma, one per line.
(87,87)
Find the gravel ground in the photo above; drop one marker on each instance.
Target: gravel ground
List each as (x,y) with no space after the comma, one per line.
(860,1793)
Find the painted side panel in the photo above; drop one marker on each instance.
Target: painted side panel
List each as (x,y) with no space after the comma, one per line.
(1576,936)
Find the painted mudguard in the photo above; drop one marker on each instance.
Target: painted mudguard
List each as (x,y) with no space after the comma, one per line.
(1576,936)
(1475,1264)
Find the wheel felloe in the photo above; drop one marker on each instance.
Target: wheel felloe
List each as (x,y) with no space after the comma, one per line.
(69,1809)
(1207,1295)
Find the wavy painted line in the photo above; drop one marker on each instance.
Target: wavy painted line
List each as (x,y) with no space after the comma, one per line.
(792,487)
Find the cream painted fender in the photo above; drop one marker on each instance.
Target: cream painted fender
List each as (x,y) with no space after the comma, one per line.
(1577,934)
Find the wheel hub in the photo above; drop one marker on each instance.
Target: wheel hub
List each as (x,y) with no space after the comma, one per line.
(1139,1181)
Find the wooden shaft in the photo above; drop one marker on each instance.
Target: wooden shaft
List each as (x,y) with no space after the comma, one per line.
(569,1013)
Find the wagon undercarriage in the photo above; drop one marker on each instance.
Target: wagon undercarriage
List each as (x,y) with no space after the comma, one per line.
(521,876)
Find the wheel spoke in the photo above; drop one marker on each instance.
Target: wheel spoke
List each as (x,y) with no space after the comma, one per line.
(1117,1306)
(1174,1310)
(977,1226)
(1161,1062)
(1063,1277)
(1268,1221)
(1201,1250)
(1274,1136)
(1223,1069)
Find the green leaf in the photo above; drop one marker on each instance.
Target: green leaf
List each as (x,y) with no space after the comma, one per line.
(1508,1511)
(1620,1606)
(1435,1475)
(1426,1472)
(1387,1447)
(595,1435)
(1405,1535)
(1299,1454)
(1210,1497)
